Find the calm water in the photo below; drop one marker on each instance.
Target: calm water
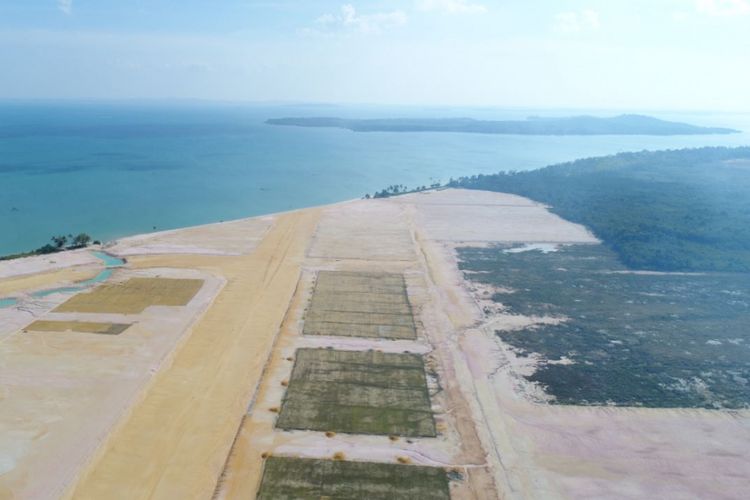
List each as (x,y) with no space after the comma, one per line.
(113,169)
(7,302)
(109,261)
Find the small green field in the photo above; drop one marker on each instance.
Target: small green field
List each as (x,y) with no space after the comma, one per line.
(362,392)
(354,304)
(299,479)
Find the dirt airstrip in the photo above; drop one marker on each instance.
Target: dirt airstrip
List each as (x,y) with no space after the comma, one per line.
(184,402)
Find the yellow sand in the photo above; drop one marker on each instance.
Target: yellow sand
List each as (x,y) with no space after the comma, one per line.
(133,296)
(54,278)
(76,326)
(244,465)
(175,441)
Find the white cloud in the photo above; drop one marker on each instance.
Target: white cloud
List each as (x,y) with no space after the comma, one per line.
(725,8)
(680,16)
(65,6)
(348,19)
(451,6)
(576,22)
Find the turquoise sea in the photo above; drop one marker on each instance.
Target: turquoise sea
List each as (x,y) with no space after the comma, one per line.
(114,169)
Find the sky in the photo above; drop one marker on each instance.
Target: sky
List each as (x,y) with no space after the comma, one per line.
(614,54)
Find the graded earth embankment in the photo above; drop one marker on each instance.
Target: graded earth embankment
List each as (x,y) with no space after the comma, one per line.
(175,441)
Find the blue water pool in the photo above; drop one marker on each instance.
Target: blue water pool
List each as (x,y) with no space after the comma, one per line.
(9,302)
(109,260)
(65,289)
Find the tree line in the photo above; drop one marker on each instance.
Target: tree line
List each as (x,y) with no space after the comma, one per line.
(57,244)
(674,210)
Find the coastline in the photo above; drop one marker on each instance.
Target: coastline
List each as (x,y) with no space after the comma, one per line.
(120,184)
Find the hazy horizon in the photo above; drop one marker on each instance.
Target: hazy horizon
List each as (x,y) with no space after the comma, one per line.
(673,55)
(603,111)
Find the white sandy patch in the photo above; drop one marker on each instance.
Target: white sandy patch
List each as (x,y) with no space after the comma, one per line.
(362,344)
(67,390)
(516,322)
(26,311)
(420,451)
(368,230)
(463,197)
(45,263)
(224,238)
(653,273)
(530,247)
(491,217)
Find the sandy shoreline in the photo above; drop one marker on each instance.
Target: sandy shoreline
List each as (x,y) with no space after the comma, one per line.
(190,416)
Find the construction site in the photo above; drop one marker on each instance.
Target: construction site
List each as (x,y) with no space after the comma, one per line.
(333,352)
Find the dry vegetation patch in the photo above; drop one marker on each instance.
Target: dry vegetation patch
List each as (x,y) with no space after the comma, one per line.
(315,479)
(363,392)
(77,326)
(360,305)
(133,296)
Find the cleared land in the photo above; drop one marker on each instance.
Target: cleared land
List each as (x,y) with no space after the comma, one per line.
(367,230)
(133,296)
(207,369)
(360,305)
(455,215)
(295,478)
(363,392)
(224,238)
(77,326)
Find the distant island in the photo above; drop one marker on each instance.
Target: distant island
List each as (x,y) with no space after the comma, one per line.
(574,125)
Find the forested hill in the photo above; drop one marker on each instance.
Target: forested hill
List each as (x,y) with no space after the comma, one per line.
(575,125)
(682,210)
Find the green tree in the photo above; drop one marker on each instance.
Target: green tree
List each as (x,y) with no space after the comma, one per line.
(81,240)
(59,241)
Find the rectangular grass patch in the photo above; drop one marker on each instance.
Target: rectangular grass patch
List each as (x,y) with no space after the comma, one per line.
(133,296)
(361,392)
(301,479)
(354,304)
(77,326)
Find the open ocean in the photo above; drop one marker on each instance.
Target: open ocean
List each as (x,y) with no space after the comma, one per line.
(115,169)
